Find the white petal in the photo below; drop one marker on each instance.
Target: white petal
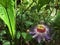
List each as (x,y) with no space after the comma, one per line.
(35,35)
(43,39)
(39,39)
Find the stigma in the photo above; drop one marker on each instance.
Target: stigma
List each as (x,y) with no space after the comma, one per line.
(41,28)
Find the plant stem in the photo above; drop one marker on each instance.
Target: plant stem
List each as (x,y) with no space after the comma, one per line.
(11,43)
(27,43)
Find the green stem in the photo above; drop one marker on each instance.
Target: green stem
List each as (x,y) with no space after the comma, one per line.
(11,42)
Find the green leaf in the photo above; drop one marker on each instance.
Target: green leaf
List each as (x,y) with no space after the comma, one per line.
(33,8)
(52,1)
(57,19)
(7,14)
(28,23)
(6,42)
(26,36)
(11,15)
(42,3)
(18,35)
(4,17)
(3,2)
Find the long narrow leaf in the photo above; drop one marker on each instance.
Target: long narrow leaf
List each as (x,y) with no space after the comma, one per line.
(4,17)
(7,14)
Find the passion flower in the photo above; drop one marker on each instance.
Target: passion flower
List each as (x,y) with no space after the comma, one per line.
(40,32)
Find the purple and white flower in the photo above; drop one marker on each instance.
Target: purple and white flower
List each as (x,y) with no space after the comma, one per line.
(40,32)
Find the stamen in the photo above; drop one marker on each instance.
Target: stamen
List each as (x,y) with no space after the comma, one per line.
(41,28)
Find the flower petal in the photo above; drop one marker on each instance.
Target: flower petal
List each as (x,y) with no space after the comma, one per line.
(35,35)
(47,37)
(32,29)
(32,33)
(39,39)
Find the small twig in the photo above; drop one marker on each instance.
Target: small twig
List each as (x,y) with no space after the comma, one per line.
(21,40)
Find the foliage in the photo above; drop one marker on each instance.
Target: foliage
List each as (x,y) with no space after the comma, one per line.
(18,16)
(7,15)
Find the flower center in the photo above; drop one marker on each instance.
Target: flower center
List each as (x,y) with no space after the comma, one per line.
(41,29)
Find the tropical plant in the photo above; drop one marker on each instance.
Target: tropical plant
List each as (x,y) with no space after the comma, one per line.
(7,14)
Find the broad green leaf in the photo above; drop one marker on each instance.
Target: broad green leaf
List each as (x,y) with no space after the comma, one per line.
(11,15)
(3,2)
(4,17)
(7,14)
